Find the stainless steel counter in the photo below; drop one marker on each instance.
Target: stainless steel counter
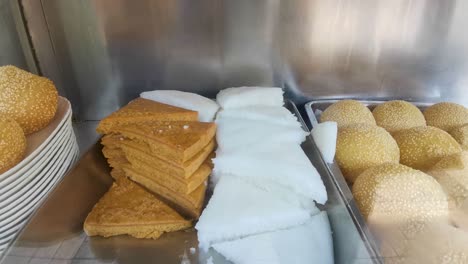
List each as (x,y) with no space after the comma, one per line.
(55,233)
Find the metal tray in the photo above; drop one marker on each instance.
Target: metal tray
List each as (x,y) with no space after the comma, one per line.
(313,110)
(55,233)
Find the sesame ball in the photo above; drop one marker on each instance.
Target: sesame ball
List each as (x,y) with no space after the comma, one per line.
(362,146)
(398,115)
(399,192)
(29,99)
(12,144)
(348,112)
(446,116)
(460,134)
(422,147)
(452,174)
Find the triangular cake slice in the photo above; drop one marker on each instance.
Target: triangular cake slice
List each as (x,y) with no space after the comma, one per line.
(180,185)
(117,145)
(238,209)
(189,205)
(129,209)
(140,110)
(175,142)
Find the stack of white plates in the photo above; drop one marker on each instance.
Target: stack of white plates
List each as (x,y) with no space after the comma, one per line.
(49,154)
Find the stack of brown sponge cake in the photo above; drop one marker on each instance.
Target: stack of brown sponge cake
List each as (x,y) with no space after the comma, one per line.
(163,149)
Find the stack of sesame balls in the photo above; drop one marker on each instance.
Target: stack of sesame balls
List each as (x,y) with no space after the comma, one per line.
(28,103)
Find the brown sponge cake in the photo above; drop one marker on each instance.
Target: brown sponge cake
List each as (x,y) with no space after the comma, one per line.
(119,146)
(180,185)
(29,99)
(129,209)
(141,110)
(188,204)
(175,142)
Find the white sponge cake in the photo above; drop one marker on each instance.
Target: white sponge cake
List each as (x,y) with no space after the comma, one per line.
(205,107)
(285,164)
(238,209)
(238,97)
(307,243)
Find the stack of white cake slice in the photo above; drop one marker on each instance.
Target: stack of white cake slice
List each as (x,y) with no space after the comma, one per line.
(263,205)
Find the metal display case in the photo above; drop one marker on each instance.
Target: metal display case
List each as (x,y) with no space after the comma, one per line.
(313,110)
(55,231)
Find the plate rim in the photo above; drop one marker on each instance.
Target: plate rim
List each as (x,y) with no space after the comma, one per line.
(52,181)
(42,161)
(12,178)
(56,171)
(45,143)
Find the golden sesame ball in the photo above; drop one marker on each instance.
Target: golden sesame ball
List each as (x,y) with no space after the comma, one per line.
(348,112)
(398,115)
(460,134)
(446,116)
(362,146)
(29,99)
(438,243)
(452,174)
(422,147)
(398,192)
(12,144)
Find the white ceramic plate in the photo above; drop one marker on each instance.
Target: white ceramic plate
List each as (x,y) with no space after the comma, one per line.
(13,196)
(12,229)
(9,187)
(21,209)
(39,158)
(36,142)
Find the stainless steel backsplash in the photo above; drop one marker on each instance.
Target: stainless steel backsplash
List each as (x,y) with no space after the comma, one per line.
(10,48)
(103,53)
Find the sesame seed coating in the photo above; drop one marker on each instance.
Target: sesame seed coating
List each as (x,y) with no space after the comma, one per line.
(452,174)
(362,146)
(12,144)
(398,115)
(422,147)
(399,192)
(348,112)
(446,116)
(460,134)
(29,99)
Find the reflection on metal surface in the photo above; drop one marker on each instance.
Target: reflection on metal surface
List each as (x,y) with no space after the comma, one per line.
(106,52)
(403,48)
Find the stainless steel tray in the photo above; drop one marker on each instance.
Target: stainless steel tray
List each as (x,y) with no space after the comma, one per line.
(313,110)
(55,233)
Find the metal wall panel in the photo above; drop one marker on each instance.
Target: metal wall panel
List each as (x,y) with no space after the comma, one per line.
(11,51)
(106,52)
(101,53)
(402,48)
